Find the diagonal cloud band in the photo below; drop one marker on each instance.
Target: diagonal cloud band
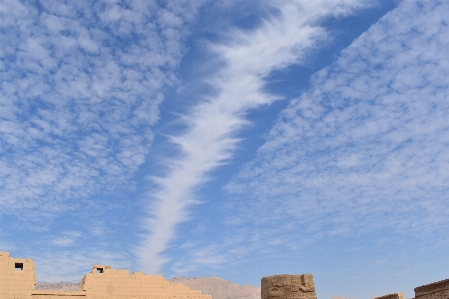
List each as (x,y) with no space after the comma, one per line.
(212,125)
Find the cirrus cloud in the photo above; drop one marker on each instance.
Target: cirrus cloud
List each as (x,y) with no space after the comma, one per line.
(366,147)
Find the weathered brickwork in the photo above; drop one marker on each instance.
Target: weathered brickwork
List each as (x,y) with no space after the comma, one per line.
(288,287)
(104,282)
(18,279)
(436,290)
(391,296)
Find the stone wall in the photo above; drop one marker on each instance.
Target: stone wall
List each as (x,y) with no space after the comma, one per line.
(286,286)
(17,277)
(391,296)
(18,280)
(104,282)
(436,290)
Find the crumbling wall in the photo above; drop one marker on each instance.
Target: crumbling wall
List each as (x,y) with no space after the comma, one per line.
(286,286)
(104,282)
(17,277)
(18,280)
(436,290)
(391,296)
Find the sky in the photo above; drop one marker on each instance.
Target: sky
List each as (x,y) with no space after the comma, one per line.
(233,138)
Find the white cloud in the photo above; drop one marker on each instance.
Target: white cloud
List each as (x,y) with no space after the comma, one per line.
(366,147)
(210,256)
(247,58)
(71,265)
(67,238)
(80,88)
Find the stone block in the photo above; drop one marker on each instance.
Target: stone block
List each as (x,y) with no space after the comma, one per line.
(391,296)
(285,286)
(436,290)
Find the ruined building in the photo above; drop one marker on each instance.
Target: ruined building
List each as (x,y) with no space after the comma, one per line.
(436,290)
(392,296)
(302,287)
(288,287)
(18,279)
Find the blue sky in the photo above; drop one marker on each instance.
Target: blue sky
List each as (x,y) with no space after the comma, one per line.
(229,138)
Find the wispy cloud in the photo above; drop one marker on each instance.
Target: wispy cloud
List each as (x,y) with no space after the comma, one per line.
(71,265)
(366,147)
(210,256)
(212,125)
(67,238)
(80,87)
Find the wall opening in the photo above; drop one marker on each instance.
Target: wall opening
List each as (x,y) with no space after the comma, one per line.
(99,270)
(18,266)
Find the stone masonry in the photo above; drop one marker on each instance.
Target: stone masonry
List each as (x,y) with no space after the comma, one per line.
(392,296)
(436,290)
(18,279)
(286,286)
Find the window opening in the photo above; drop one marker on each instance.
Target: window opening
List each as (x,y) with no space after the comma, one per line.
(18,266)
(99,270)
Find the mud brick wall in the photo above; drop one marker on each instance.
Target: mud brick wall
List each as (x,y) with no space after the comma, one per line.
(18,280)
(104,282)
(17,277)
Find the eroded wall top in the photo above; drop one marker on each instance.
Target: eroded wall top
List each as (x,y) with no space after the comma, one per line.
(105,282)
(391,296)
(439,289)
(17,280)
(285,286)
(17,276)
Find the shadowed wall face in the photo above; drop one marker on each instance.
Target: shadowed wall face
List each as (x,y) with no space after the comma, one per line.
(436,290)
(286,286)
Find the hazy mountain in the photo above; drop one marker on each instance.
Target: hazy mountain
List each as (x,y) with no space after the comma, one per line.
(220,288)
(215,286)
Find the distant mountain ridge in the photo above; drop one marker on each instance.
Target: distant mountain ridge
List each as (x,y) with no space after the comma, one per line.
(219,288)
(215,286)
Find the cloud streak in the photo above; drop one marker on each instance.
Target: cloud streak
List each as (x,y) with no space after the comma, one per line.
(212,125)
(365,149)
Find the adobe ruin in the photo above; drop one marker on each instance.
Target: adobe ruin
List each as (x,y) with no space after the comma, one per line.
(18,280)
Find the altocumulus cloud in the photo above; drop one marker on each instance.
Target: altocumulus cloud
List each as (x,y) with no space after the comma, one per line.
(366,148)
(212,125)
(80,87)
